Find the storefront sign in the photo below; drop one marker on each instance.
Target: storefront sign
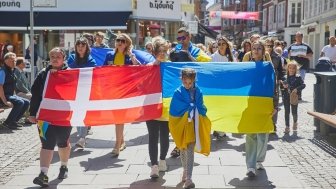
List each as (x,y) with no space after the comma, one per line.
(67,5)
(65,14)
(157,9)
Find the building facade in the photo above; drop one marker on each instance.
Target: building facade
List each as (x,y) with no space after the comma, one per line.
(318,24)
(59,23)
(274,18)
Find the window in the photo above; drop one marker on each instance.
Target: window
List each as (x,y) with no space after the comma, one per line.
(299,13)
(293,13)
(325,5)
(331,4)
(311,8)
(274,19)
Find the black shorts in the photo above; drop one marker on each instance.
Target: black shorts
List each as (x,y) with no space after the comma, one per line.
(56,135)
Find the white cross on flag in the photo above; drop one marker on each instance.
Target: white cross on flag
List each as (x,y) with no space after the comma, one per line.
(102,96)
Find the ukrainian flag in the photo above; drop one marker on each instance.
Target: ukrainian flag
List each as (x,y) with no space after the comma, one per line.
(238,96)
(188,122)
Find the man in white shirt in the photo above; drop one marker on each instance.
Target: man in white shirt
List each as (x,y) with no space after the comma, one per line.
(330,50)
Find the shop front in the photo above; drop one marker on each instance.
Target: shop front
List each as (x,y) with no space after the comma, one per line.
(153,18)
(59,22)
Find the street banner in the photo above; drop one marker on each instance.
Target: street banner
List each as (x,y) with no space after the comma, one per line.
(235,15)
(102,96)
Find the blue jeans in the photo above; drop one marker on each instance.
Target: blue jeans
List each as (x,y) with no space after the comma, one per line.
(20,105)
(82,131)
(256,147)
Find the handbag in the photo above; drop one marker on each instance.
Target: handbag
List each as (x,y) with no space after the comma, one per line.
(293,98)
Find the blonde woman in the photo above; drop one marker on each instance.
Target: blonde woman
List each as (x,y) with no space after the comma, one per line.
(121,56)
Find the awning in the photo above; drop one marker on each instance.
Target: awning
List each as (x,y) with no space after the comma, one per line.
(204,30)
(64,20)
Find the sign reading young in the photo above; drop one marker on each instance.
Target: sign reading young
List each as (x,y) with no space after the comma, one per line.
(157,9)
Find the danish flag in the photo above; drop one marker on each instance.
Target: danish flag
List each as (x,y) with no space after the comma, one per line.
(102,96)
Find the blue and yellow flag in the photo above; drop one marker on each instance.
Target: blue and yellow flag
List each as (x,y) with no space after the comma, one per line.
(188,122)
(238,96)
(42,128)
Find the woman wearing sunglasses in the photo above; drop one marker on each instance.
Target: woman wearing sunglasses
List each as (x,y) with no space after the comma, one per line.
(256,144)
(122,55)
(81,59)
(223,54)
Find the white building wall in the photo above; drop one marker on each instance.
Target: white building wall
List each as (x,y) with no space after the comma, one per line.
(321,16)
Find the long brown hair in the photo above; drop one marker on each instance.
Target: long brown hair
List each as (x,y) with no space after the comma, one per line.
(228,50)
(78,59)
(129,44)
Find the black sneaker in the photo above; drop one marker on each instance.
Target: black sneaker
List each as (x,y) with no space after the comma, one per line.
(11,126)
(63,174)
(41,180)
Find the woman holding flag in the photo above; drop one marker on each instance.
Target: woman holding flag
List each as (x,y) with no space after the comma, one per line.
(223,54)
(81,59)
(158,128)
(121,56)
(50,135)
(256,143)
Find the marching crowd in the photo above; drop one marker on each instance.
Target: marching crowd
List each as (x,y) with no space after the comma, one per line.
(290,65)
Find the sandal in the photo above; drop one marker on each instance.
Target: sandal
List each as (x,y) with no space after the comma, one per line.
(175,153)
(287,130)
(295,126)
(122,146)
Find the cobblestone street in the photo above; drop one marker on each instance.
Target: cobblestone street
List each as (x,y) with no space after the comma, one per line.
(309,156)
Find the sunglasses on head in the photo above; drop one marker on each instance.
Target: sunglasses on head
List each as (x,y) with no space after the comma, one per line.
(182,38)
(121,40)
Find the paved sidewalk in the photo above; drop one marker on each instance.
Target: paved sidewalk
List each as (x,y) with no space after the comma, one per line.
(305,160)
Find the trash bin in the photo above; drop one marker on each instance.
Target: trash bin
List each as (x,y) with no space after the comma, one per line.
(325,98)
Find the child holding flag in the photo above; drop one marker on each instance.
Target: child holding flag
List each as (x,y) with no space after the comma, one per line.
(50,135)
(188,124)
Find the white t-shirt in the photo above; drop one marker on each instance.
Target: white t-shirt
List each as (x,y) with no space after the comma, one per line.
(330,52)
(216,57)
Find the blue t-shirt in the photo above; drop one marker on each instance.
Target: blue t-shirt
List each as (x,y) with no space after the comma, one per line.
(2,76)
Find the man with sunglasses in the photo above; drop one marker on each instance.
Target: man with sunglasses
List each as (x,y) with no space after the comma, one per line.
(186,51)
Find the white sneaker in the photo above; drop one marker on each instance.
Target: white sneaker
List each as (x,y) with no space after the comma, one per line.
(155,172)
(162,165)
(251,172)
(260,166)
(81,143)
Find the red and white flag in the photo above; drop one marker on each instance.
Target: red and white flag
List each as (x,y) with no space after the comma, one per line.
(102,96)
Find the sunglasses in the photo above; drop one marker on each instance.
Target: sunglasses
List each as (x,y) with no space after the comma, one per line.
(221,44)
(269,46)
(257,49)
(121,41)
(149,49)
(182,38)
